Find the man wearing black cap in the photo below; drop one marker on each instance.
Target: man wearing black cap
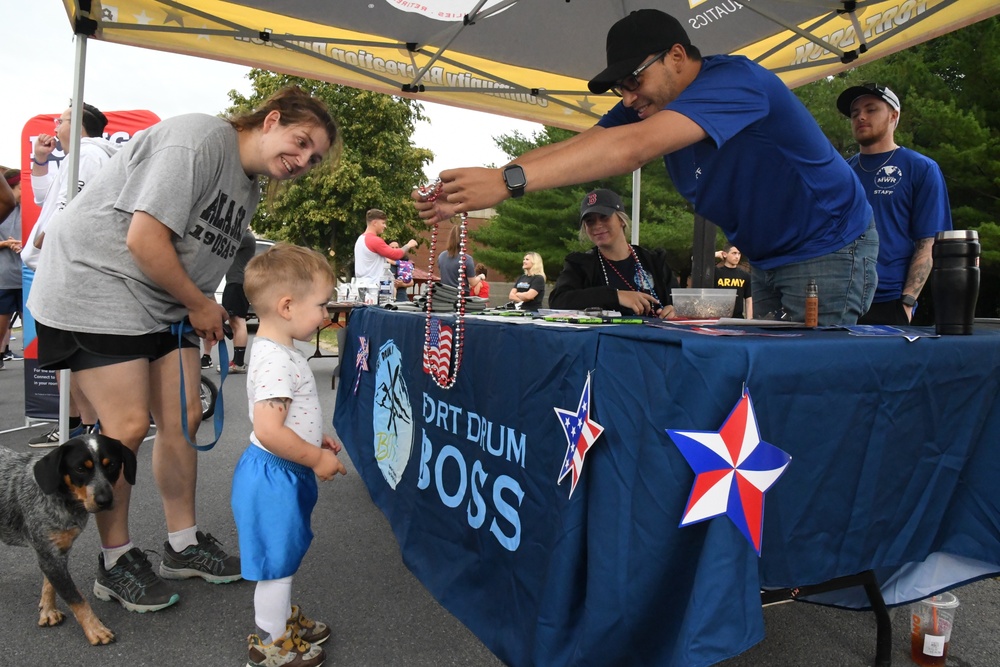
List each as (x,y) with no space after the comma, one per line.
(908,194)
(738,145)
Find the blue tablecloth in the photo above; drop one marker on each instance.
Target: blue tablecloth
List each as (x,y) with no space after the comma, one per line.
(894,457)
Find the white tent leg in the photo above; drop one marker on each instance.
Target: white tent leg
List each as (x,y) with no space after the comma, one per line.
(76,120)
(636,197)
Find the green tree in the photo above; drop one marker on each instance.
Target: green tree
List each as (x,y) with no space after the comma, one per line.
(326,209)
(536,222)
(548,222)
(949,89)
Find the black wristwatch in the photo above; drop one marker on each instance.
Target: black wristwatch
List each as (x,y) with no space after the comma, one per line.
(513,178)
(909,300)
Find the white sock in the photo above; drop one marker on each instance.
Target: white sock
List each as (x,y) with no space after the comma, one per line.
(272,605)
(183,539)
(112,554)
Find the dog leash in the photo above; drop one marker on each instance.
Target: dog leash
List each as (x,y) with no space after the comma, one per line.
(181,328)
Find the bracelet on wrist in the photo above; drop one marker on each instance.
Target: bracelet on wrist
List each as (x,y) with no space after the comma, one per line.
(40,164)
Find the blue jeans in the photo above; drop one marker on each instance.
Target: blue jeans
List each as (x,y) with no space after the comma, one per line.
(846,280)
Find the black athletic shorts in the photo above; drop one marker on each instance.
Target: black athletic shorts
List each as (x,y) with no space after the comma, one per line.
(10,301)
(78,351)
(234,300)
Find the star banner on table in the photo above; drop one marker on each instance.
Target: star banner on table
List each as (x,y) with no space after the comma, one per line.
(581,433)
(733,469)
(361,361)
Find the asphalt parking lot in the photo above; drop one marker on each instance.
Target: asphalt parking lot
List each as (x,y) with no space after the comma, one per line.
(353,578)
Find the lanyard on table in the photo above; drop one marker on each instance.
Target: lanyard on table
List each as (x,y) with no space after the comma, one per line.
(181,328)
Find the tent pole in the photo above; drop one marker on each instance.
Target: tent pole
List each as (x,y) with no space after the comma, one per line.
(703,254)
(76,117)
(636,196)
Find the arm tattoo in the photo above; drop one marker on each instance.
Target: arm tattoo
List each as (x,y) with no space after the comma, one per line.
(920,267)
(280,403)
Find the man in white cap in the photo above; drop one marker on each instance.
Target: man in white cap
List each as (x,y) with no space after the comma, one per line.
(908,195)
(738,145)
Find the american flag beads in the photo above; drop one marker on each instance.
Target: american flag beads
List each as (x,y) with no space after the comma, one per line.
(437,361)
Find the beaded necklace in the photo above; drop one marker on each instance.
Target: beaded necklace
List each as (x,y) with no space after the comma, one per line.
(872,171)
(445,380)
(645,281)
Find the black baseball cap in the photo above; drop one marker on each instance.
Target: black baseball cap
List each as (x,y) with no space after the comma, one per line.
(601,201)
(848,97)
(632,39)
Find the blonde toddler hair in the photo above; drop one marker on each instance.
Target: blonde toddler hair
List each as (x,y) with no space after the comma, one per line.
(284,269)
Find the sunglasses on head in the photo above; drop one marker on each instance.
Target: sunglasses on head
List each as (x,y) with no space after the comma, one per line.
(631,82)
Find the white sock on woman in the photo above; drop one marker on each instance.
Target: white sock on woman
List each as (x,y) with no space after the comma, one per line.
(112,554)
(182,539)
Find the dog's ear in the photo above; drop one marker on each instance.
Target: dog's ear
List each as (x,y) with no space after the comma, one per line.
(129,463)
(113,447)
(47,470)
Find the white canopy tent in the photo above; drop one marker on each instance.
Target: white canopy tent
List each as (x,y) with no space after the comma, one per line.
(528,59)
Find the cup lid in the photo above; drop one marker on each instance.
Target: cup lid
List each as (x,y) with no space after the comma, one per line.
(943,601)
(961,234)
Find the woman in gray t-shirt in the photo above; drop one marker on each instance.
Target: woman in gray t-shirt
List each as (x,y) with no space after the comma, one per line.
(450,260)
(141,248)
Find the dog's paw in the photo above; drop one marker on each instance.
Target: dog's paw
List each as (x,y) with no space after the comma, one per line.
(50,617)
(97,634)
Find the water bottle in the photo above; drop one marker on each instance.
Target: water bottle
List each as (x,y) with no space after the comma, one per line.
(955,280)
(385,287)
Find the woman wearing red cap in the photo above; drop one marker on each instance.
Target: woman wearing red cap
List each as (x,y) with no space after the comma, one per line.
(613,275)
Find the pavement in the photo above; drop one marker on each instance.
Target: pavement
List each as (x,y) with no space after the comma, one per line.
(354,579)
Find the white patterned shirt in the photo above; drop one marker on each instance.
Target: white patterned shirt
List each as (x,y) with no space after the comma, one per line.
(276,371)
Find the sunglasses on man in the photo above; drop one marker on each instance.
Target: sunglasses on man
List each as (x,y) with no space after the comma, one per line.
(631,82)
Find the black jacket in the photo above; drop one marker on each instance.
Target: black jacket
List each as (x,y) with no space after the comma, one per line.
(581,283)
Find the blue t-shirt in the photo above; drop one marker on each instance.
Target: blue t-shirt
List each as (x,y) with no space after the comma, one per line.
(908,194)
(766,175)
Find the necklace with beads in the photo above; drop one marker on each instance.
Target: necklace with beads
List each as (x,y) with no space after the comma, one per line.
(445,377)
(645,281)
(876,169)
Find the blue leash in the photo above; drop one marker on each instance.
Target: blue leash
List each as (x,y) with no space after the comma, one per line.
(181,328)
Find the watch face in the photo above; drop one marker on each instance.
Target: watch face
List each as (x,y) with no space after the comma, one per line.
(514,177)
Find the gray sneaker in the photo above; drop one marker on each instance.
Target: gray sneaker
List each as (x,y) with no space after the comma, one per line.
(133,583)
(234,369)
(51,439)
(205,559)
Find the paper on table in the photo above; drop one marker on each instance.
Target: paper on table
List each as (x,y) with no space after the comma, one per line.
(773,324)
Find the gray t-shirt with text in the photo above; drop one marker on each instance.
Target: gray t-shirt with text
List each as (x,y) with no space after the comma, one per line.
(186,173)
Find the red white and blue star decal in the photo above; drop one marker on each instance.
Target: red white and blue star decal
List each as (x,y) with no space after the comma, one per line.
(733,468)
(581,433)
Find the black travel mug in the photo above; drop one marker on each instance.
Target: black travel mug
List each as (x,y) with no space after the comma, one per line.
(955,280)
